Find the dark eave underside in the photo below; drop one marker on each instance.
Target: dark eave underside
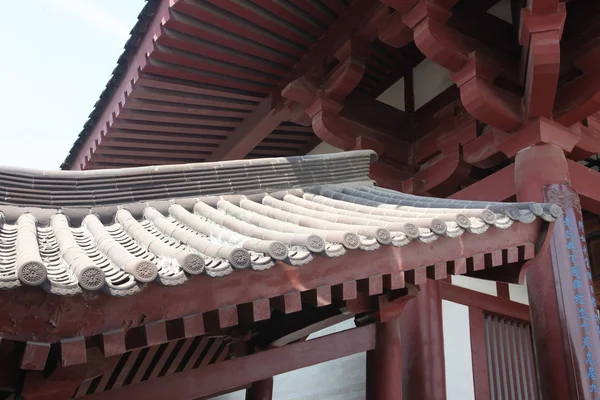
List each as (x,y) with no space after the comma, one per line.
(194,72)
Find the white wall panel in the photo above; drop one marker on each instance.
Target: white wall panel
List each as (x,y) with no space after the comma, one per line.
(479,285)
(457,351)
(324,148)
(518,293)
(394,95)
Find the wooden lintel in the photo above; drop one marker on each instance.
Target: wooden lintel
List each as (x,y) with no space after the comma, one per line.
(216,378)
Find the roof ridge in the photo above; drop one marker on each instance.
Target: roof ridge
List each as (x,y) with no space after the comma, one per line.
(56,189)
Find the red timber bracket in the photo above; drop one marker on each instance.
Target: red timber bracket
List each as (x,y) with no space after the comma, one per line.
(391,28)
(320,100)
(474,71)
(581,98)
(270,112)
(589,142)
(440,154)
(579,141)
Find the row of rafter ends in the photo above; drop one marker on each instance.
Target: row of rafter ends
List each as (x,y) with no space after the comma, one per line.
(105,187)
(112,343)
(167,244)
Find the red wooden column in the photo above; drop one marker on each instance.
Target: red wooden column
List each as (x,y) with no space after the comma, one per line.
(562,306)
(424,373)
(260,390)
(384,363)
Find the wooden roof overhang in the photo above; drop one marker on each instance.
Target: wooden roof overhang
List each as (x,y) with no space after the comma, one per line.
(199,76)
(126,272)
(300,71)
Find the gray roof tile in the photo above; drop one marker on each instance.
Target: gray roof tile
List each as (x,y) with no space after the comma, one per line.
(117,230)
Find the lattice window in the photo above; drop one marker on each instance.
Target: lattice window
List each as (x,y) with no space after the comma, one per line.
(510,359)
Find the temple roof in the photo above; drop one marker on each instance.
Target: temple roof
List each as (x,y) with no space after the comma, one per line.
(117,230)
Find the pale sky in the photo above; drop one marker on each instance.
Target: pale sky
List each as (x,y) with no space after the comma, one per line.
(56,58)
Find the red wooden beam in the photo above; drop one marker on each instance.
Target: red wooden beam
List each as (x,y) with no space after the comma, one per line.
(578,99)
(77,316)
(267,116)
(384,363)
(241,371)
(474,71)
(439,176)
(541,31)
(61,382)
(499,186)
(485,302)
(423,345)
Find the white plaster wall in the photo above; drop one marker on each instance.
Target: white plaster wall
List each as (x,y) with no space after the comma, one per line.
(457,351)
(502,10)
(518,293)
(479,285)
(394,95)
(429,80)
(324,148)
